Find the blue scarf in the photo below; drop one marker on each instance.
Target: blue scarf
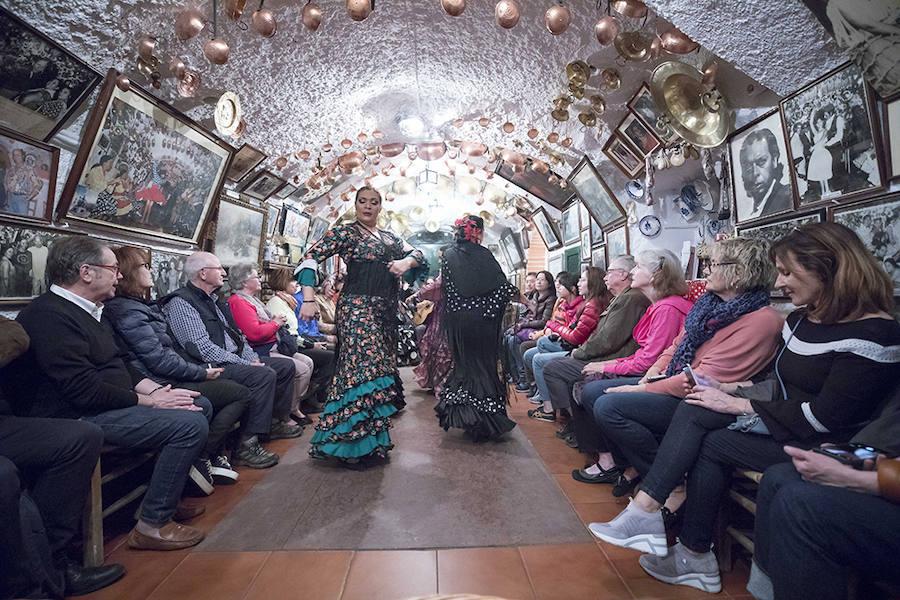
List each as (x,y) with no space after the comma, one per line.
(710,314)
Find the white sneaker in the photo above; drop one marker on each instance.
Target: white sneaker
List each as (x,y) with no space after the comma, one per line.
(634,529)
(222,472)
(683,567)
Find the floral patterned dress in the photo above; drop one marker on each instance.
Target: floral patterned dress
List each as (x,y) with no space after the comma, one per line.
(366,388)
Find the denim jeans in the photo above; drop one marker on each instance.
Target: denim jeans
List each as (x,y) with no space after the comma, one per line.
(178,435)
(540,361)
(589,436)
(543,346)
(514,357)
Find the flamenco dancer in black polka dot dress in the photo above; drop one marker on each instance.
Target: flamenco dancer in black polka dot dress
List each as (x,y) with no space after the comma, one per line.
(476,292)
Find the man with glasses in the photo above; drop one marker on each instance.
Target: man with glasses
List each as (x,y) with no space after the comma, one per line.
(205,331)
(73,370)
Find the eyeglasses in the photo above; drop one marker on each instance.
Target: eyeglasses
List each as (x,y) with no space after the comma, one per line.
(620,270)
(112,268)
(145,265)
(721,264)
(219,268)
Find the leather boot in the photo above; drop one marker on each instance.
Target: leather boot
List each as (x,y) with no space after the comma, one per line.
(84,580)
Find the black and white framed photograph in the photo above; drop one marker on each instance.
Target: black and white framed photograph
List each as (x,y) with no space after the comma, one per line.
(584,217)
(777,230)
(641,138)
(273,218)
(245,160)
(285,191)
(167,271)
(546,227)
(317,228)
(598,257)
(623,156)
(877,223)
(598,198)
(510,246)
(295,229)
(586,244)
(23,261)
(617,243)
(643,106)
(596,234)
(27,176)
(536,183)
(569,226)
(831,142)
(41,83)
(760,175)
(868,32)
(262,185)
(891,120)
(240,233)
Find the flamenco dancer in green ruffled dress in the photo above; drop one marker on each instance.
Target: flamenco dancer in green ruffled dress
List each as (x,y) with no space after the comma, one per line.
(366,389)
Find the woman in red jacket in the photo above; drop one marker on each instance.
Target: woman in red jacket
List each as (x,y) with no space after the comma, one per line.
(564,338)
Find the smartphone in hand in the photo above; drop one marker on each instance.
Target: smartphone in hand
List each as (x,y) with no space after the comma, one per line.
(853,455)
(693,378)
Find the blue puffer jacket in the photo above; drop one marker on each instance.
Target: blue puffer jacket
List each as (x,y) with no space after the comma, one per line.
(143,335)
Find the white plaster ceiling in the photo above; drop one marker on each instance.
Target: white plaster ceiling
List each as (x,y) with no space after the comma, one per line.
(302,89)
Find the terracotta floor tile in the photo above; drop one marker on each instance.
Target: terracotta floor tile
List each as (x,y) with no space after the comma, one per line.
(578,492)
(389,575)
(213,575)
(573,572)
(594,512)
(734,583)
(484,571)
(615,553)
(643,586)
(144,572)
(301,576)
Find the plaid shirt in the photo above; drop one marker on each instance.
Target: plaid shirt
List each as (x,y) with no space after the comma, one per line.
(187,327)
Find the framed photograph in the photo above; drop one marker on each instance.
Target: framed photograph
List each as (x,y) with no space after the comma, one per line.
(760,172)
(599,200)
(777,230)
(891,120)
(23,260)
(584,217)
(641,138)
(511,248)
(569,224)
(167,270)
(536,184)
(240,233)
(586,244)
(295,229)
(867,31)
(245,160)
(525,239)
(143,167)
(556,263)
(621,155)
(317,229)
(830,137)
(547,229)
(273,218)
(41,83)
(644,108)
(262,185)
(596,234)
(286,191)
(598,257)
(617,243)
(877,223)
(504,259)
(29,171)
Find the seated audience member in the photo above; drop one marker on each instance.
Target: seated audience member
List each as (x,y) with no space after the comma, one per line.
(565,337)
(540,310)
(56,458)
(73,370)
(731,335)
(284,303)
(840,359)
(819,520)
(611,339)
(260,327)
(143,336)
(326,302)
(205,331)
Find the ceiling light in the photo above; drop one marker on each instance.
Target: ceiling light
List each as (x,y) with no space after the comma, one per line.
(412,126)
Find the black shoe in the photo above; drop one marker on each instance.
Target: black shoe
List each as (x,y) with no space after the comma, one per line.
(625,487)
(283,430)
(567,430)
(571,441)
(84,580)
(201,476)
(252,454)
(538,414)
(312,407)
(222,472)
(610,476)
(304,420)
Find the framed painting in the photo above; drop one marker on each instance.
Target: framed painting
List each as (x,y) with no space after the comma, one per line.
(273,218)
(556,263)
(547,229)
(569,224)
(597,197)
(598,257)
(295,229)
(245,160)
(641,138)
(167,271)
(584,217)
(29,171)
(262,185)
(535,183)
(511,248)
(877,223)
(240,233)
(778,229)
(145,168)
(596,234)
(622,155)
(317,228)
(41,83)
(586,244)
(831,142)
(23,260)
(285,191)
(891,120)
(617,243)
(760,174)
(644,108)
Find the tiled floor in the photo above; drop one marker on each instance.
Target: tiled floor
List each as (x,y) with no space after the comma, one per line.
(592,571)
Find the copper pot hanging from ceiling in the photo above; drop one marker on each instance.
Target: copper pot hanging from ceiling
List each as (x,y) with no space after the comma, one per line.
(392,150)
(264,23)
(454,8)
(216,51)
(567,142)
(539,166)
(508,127)
(346,143)
(507,13)
(281,162)
(533,133)
(145,47)
(234,9)
(177,68)
(484,121)
(676,42)
(472,148)
(303,154)
(431,150)
(359,10)
(633,9)
(553,137)
(377,134)
(123,83)
(557,19)
(189,83)
(311,16)
(189,23)
(606,29)
(512,157)
(350,161)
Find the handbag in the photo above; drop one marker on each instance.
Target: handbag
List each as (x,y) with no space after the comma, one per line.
(287,342)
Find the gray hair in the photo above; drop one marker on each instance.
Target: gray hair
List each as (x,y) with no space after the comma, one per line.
(239,274)
(627,260)
(749,265)
(67,255)
(195,263)
(667,274)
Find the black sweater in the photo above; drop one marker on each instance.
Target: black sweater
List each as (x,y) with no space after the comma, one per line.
(73,367)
